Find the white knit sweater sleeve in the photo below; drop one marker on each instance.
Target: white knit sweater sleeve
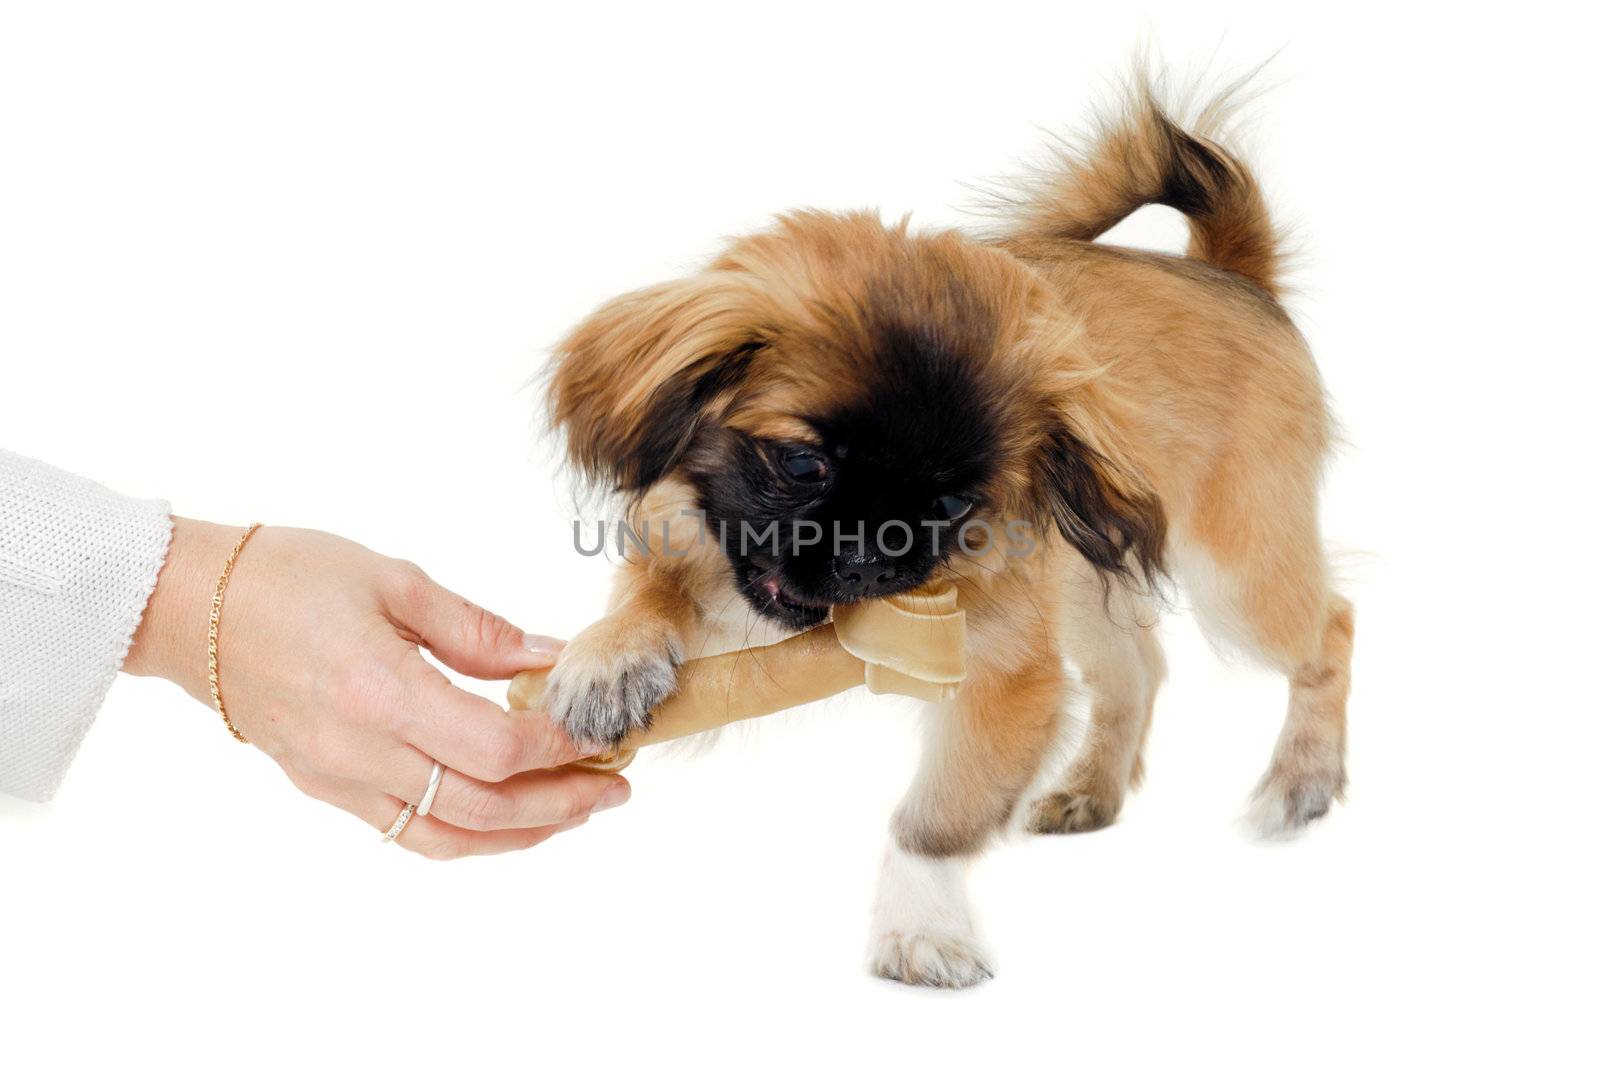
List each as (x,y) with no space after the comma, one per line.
(77,564)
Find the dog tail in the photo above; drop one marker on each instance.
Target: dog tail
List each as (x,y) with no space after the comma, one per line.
(1138,155)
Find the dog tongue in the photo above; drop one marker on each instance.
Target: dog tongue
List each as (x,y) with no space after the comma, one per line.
(771,587)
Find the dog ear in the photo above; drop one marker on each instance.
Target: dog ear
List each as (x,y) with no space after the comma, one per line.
(634,381)
(1116,524)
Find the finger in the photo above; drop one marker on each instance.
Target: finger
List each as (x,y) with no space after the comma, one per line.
(464,636)
(523,801)
(426,836)
(473,735)
(440,841)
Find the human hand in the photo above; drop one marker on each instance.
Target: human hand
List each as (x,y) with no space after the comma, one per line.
(320,668)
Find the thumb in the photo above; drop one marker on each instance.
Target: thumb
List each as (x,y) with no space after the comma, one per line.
(468,638)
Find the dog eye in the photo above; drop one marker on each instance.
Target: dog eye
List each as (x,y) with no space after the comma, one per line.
(804,466)
(952,507)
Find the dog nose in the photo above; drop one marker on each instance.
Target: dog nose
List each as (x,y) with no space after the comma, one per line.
(862,575)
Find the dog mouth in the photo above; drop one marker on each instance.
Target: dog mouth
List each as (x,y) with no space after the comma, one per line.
(773,599)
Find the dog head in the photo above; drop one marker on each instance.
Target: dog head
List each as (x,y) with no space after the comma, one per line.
(852,404)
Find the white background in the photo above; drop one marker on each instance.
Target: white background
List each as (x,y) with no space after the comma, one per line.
(295,263)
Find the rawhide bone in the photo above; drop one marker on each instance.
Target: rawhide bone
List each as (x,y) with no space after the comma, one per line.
(912,643)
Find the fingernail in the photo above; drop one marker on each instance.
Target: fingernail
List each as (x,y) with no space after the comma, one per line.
(614,797)
(545,647)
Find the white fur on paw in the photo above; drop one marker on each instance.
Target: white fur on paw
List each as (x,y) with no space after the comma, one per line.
(603,688)
(1286,803)
(941,960)
(922,925)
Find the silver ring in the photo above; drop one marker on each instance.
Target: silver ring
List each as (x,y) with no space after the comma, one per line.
(399,823)
(425,805)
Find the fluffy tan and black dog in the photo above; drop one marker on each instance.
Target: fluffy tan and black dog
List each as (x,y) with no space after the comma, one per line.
(1059,427)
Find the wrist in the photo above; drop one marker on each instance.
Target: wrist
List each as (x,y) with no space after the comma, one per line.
(171,640)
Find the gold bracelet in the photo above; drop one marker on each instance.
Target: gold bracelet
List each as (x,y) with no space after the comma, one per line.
(211,632)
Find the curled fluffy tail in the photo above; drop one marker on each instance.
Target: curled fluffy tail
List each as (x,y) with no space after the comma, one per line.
(1139,156)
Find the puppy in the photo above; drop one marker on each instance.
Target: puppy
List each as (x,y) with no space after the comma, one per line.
(1056,426)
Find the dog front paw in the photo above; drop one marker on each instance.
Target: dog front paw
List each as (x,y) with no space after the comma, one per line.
(940,959)
(610,679)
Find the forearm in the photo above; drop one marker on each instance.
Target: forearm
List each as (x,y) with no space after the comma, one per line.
(171,640)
